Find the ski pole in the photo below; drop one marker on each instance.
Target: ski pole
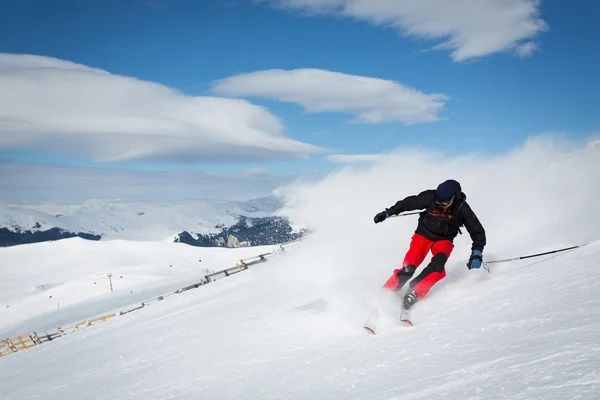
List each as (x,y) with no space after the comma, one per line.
(404,214)
(533,255)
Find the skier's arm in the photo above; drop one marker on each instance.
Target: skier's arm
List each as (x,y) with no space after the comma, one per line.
(474,227)
(410,203)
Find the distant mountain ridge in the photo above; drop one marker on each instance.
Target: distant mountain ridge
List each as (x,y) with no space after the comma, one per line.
(206,223)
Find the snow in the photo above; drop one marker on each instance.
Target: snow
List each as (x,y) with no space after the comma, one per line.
(492,336)
(50,284)
(291,328)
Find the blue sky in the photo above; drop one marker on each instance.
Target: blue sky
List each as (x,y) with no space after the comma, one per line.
(493,99)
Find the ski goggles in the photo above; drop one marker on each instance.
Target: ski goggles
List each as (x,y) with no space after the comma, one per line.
(444,201)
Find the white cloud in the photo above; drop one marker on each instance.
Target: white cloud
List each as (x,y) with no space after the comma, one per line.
(36,184)
(526,49)
(254,172)
(57,106)
(356,158)
(469,28)
(373,100)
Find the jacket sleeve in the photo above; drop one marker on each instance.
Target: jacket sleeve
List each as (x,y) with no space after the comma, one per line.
(410,203)
(473,226)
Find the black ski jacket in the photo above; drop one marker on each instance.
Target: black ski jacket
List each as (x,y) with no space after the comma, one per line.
(436,224)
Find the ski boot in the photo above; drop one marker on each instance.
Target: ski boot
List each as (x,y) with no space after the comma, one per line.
(409,300)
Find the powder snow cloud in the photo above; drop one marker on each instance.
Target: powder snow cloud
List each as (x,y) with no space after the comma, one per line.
(537,197)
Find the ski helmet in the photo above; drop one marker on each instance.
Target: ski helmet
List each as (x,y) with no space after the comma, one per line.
(446,192)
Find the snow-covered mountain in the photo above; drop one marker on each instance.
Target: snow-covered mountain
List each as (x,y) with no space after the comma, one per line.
(195,222)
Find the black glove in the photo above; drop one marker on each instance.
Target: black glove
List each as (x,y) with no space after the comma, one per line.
(380,217)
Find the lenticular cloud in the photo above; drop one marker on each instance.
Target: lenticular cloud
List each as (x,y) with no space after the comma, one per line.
(60,107)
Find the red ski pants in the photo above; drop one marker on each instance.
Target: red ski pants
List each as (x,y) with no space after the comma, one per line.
(435,271)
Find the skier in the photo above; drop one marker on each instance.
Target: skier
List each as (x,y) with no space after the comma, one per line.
(445,211)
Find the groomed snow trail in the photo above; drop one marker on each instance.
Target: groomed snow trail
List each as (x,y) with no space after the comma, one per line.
(525,331)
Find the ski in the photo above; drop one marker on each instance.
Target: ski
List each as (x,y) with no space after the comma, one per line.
(369,329)
(405,318)
(384,311)
(370,325)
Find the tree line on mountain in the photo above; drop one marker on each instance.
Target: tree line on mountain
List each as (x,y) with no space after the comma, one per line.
(245,232)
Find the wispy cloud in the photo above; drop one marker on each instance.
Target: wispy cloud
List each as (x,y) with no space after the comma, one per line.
(469,28)
(37,184)
(356,158)
(526,49)
(254,172)
(372,100)
(56,106)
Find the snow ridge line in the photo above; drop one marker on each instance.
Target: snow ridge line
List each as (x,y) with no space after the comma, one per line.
(26,341)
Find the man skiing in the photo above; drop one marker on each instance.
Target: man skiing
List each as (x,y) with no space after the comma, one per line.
(445,211)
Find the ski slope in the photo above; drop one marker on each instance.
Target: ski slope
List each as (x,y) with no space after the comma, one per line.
(521,332)
(50,284)
(292,328)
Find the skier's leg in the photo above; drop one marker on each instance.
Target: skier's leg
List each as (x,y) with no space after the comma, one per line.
(419,247)
(435,271)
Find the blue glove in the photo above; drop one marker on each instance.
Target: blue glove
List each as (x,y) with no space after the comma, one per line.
(475,260)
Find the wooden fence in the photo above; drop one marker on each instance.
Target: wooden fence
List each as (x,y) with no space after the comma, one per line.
(23,342)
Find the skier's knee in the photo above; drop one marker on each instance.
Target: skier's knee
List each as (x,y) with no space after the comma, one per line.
(438,262)
(407,270)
